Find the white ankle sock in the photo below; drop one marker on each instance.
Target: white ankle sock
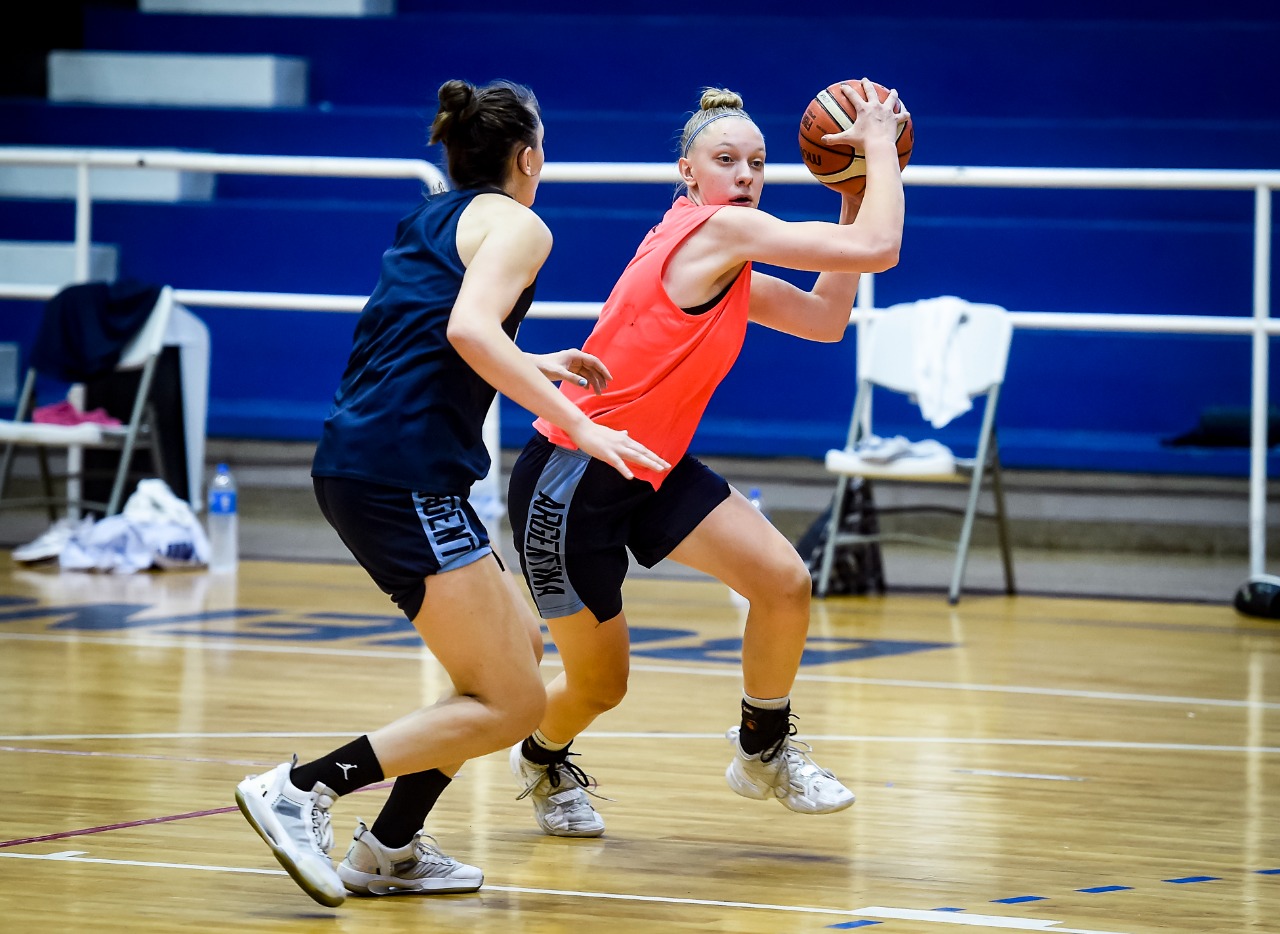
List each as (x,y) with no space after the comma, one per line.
(541,740)
(774,703)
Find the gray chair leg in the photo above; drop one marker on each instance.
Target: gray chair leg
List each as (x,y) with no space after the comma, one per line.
(861,399)
(46,483)
(833,529)
(26,400)
(980,463)
(1002,518)
(131,439)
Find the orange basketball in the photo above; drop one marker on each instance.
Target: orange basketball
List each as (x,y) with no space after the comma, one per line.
(842,168)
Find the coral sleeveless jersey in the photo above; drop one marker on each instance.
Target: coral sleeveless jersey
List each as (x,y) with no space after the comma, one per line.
(665,362)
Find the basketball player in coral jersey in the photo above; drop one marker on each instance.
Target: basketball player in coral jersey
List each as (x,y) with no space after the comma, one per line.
(670,331)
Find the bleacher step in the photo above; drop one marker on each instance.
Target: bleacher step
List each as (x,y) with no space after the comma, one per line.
(31,262)
(58,183)
(189,80)
(271,7)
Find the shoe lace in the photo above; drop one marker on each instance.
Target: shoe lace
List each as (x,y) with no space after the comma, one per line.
(800,762)
(797,758)
(783,743)
(321,824)
(562,771)
(430,852)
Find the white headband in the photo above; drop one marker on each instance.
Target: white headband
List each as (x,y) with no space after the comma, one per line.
(694,135)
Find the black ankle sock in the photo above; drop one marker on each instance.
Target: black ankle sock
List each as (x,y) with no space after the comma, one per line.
(344,770)
(407,807)
(540,755)
(762,728)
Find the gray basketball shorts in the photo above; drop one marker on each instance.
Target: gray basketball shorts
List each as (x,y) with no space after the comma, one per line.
(573,519)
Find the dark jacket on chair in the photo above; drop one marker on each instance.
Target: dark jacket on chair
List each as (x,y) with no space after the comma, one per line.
(85,327)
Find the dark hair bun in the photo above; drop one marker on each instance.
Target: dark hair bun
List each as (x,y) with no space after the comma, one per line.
(458,104)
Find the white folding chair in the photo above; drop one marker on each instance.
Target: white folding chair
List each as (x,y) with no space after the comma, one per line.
(887,360)
(140,354)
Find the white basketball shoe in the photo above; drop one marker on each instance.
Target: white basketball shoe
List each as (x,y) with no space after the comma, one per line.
(418,867)
(786,772)
(558,794)
(295,824)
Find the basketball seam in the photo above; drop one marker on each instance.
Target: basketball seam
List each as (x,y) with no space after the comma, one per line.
(853,170)
(844,151)
(828,103)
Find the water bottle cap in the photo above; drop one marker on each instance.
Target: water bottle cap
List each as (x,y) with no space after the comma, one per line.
(222,468)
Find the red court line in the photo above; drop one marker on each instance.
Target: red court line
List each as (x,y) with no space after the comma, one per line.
(140,823)
(121,826)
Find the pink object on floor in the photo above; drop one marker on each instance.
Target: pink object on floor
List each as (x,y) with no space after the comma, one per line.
(64,413)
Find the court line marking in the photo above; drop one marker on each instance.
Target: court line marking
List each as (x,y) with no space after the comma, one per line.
(993,921)
(620,734)
(141,755)
(941,917)
(145,821)
(993,773)
(1045,692)
(123,825)
(146,864)
(416,654)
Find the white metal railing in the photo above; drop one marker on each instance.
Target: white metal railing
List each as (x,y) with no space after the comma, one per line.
(1260,324)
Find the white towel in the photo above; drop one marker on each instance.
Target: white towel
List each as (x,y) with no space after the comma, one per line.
(155,529)
(939,367)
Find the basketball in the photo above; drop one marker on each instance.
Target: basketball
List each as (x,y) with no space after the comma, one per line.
(842,168)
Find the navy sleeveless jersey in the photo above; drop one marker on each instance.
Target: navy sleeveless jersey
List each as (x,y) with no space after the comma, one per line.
(410,412)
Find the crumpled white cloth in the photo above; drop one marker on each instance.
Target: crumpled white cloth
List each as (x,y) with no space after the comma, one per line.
(155,529)
(939,367)
(877,450)
(896,456)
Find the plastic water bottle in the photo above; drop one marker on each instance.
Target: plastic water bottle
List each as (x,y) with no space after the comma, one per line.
(224,547)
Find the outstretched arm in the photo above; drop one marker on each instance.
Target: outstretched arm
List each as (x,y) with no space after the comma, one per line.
(504,263)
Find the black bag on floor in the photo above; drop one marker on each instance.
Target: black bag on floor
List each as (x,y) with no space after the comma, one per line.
(1259,596)
(855,568)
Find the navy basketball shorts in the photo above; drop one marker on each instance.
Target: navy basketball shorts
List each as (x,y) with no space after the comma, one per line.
(574,517)
(400,537)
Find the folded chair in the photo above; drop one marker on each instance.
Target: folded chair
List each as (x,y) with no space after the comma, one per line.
(944,354)
(89,332)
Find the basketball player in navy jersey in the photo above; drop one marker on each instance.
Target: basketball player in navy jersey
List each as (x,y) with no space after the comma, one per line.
(400,450)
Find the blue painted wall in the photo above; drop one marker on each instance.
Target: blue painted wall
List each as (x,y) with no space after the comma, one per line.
(1106,85)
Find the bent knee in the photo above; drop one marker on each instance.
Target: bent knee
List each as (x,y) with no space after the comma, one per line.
(518,717)
(610,697)
(796,583)
(516,728)
(598,696)
(518,706)
(784,582)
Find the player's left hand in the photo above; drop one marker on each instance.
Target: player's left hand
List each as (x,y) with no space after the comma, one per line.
(873,119)
(578,367)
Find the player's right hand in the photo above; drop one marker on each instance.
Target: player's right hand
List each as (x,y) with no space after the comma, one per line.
(617,449)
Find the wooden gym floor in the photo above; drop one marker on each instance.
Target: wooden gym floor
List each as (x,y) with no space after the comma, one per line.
(1021,764)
